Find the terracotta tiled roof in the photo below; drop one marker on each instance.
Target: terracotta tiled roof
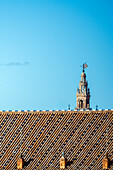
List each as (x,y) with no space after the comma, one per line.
(45,134)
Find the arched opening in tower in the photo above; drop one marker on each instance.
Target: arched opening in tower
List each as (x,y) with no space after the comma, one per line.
(81,104)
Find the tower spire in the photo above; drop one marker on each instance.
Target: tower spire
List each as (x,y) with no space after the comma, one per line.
(83,92)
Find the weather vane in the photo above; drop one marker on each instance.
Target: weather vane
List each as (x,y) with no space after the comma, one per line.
(84,66)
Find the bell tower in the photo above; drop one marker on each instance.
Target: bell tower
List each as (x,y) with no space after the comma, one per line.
(83,92)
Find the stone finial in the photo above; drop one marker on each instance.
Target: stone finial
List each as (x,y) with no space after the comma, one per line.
(105,162)
(63,161)
(20,163)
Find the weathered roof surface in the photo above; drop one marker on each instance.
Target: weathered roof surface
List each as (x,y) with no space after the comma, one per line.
(45,134)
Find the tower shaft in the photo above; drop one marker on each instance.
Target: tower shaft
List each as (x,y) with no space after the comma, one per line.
(83,94)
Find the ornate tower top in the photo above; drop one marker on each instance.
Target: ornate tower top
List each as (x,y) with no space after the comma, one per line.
(84,66)
(83,92)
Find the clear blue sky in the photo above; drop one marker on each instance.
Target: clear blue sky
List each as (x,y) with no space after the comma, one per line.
(42,45)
